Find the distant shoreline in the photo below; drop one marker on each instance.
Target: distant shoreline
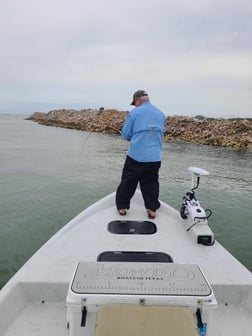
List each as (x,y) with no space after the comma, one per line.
(235,132)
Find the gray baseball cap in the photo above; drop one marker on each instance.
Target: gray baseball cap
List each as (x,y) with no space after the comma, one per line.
(138,94)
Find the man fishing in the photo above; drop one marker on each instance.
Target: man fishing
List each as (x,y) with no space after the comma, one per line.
(144,128)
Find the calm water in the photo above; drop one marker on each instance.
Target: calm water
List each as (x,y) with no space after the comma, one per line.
(48,175)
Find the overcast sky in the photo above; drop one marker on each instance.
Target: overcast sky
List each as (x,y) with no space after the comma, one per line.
(191,56)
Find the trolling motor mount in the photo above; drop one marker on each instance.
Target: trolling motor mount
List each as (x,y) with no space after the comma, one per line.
(196,217)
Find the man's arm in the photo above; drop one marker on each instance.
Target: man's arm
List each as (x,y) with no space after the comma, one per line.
(127,129)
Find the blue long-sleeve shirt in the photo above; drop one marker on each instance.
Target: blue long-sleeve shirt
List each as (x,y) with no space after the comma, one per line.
(144,127)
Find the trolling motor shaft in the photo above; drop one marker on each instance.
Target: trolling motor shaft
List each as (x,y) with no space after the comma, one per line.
(196,217)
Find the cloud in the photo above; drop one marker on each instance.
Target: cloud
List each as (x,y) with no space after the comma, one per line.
(91,54)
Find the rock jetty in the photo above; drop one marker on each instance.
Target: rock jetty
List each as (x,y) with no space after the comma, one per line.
(235,133)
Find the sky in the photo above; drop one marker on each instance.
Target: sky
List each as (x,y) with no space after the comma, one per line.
(193,57)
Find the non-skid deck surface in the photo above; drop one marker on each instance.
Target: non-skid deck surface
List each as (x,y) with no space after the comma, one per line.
(139,278)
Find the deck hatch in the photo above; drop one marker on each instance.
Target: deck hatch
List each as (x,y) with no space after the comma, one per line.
(140,278)
(134,256)
(132,227)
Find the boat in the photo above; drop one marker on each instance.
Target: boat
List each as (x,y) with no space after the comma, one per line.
(104,274)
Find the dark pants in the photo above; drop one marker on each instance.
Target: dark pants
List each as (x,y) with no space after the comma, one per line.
(146,173)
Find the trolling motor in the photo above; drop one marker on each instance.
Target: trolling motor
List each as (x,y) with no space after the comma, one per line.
(196,217)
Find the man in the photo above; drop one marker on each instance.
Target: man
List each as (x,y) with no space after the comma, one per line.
(144,128)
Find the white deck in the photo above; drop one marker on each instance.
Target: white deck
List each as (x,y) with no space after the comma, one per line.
(34,300)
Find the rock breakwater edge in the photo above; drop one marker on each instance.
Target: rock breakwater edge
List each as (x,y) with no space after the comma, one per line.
(236,133)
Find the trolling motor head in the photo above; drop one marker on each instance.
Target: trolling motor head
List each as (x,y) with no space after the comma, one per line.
(196,173)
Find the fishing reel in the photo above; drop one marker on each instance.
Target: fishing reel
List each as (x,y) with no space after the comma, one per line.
(196,217)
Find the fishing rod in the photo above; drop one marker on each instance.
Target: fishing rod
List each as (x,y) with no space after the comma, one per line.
(113,128)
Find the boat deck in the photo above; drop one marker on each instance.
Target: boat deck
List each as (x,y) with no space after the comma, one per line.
(34,300)
(48,318)
(39,318)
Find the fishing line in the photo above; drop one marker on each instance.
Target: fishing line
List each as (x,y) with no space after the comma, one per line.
(86,140)
(82,148)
